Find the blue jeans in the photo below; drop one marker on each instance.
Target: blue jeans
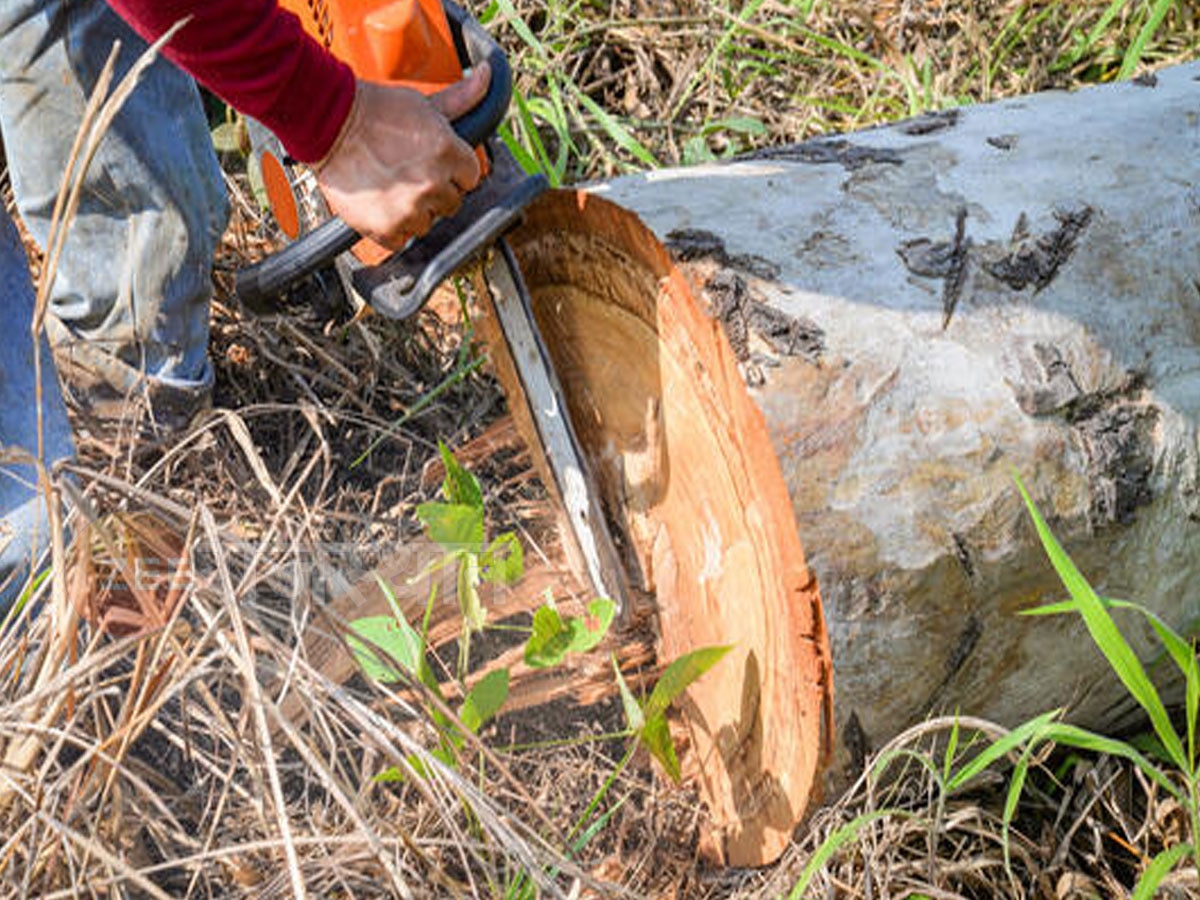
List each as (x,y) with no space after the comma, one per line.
(129,306)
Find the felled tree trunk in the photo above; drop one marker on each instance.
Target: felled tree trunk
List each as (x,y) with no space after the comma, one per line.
(928,309)
(864,339)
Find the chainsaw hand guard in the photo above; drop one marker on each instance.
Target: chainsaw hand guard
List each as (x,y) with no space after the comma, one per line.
(318,248)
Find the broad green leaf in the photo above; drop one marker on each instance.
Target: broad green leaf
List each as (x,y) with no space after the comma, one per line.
(1107,636)
(393,637)
(1158,869)
(656,735)
(589,630)
(553,638)
(257,187)
(680,674)
(418,639)
(547,644)
(453,526)
(443,754)
(635,719)
(459,485)
(390,774)
(504,560)
(484,700)
(834,843)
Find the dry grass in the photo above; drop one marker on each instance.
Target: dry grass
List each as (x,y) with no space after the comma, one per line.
(164,765)
(690,79)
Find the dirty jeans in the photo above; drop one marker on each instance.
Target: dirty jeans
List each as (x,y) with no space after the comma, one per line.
(129,305)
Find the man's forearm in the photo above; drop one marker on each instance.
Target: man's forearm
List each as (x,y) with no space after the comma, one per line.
(257,58)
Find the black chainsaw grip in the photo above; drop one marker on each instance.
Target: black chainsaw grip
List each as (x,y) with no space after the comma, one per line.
(318,248)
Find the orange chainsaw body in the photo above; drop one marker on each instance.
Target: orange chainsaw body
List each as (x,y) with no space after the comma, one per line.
(401,41)
(404,42)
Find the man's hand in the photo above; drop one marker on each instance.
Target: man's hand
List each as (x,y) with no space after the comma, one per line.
(398,165)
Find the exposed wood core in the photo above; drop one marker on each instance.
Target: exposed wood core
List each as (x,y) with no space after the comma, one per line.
(686,468)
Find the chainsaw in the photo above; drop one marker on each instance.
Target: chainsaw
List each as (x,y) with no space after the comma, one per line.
(425,45)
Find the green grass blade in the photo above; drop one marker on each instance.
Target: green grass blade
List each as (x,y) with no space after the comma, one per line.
(719,48)
(951,752)
(1107,636)
(1191,702)
(884,760)
(1015,786)
(597,826)
(617,132)
(1001,747)
(561,123)
(524,158)
(1073,736)
(1133,56)
(835,842)
(516,22)
(1101,28)
(1158,869)
(1178,649)
(533,138)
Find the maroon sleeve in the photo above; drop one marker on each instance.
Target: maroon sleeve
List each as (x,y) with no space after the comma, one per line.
(257,58)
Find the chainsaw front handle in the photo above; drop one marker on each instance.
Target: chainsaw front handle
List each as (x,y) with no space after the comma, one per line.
(318,248)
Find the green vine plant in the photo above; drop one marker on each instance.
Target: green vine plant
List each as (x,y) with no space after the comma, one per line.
(389,649)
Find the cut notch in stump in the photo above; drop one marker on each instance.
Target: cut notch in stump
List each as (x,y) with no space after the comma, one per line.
(685,466)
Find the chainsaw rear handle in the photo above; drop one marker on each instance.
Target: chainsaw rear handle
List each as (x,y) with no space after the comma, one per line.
(320,247)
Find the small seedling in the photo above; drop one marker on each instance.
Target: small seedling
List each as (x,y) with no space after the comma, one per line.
(389,649)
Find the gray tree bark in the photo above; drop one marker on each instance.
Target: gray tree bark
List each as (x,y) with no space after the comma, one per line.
(922,311)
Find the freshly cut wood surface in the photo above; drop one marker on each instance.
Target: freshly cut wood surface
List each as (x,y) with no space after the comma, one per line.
(687,470)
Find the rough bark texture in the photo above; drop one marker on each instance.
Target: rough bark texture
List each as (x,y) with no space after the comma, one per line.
(924,310)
